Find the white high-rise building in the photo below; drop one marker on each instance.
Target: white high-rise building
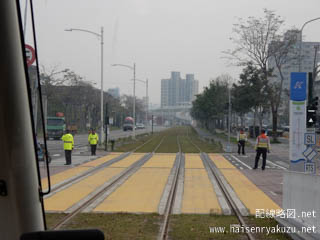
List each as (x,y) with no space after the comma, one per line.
(177,91)
(114,92)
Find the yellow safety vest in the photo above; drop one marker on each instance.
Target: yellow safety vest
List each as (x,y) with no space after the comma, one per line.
(262,141)
(67,141)
(93,139)
(242,136)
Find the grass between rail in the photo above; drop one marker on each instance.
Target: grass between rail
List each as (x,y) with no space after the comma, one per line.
(115,226)
(184,226)
(170,145)
(195,226)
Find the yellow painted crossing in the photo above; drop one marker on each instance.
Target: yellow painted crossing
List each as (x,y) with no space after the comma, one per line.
(142,191)
(129,160)
(64,199)
(198,195)
(250,195)
(62,176)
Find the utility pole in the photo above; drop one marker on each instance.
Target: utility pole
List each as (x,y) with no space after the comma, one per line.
(134,101)
(229,122)
(147,102)
(106,129)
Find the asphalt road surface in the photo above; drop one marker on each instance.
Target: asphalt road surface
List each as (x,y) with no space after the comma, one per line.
(55,147)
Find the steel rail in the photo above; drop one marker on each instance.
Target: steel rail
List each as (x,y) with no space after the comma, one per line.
(164,231)
(225,192)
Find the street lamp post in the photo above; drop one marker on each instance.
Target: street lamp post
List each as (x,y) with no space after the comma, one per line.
(134,93)
(147,100)
(312,20)
(101,42)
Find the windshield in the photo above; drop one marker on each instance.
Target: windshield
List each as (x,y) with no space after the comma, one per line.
(55,122)
(128,121)
(224,95)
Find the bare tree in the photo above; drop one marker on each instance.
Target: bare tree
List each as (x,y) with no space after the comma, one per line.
(283,52)
(253,40)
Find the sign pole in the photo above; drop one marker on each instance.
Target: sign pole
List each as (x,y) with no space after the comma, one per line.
(302,139)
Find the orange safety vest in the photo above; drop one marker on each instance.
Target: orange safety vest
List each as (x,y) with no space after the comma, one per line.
(262,141)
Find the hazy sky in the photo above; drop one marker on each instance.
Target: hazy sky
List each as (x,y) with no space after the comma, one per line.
(159,36)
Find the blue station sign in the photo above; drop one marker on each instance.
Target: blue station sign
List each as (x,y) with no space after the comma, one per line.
(298,86)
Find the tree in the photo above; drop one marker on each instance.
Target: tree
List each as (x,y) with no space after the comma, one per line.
(253,40)
(250,94)
(209,107)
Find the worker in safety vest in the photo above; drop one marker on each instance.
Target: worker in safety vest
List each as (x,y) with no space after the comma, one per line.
(93,140)
(68,143)
(242,138)
(262,147)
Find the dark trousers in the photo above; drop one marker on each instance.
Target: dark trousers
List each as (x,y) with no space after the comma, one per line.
(67,154)
(260,151)
(241,144)
(93,149)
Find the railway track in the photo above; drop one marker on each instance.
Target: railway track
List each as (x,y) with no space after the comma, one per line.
(119,178)
(224,190)
(164,229)
(86,205)
(83,175)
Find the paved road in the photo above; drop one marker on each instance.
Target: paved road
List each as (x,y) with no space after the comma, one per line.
(55,147)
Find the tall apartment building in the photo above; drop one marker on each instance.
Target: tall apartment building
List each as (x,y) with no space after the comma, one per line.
(114,92)
(307,55)
(176,91)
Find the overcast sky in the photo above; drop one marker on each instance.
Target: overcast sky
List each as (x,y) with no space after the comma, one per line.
(160,36)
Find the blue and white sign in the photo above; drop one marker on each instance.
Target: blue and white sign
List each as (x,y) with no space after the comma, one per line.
(298,86)
(310,153)
(309,167)
(298,93)
(310,139)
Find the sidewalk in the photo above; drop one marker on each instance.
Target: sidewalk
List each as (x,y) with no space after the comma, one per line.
(279,149)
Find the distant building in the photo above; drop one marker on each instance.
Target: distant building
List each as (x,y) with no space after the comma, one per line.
(176,91)
(308,54)
(308,51)
(114,92)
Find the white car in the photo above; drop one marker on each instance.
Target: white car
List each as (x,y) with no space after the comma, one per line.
(140,126)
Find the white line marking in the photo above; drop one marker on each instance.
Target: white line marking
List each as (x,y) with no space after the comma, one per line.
(241,162)
(56,155)
(273,193)
(268,161)
(241,168)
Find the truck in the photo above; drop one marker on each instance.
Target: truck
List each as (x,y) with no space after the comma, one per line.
(128,124)
(56,126)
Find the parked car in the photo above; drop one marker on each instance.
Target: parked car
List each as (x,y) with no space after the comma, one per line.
(286,128)
(140,126)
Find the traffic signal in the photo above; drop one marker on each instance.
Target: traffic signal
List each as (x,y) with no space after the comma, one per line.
(312,112)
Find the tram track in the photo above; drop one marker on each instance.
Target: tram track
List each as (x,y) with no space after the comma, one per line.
(164,229)
(217,175)
(110,186)
(93,170)
(90,202)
